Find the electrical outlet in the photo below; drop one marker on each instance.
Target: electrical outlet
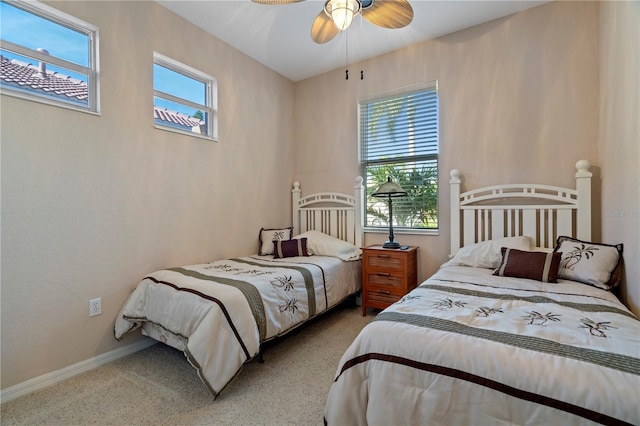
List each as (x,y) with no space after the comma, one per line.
(95,307)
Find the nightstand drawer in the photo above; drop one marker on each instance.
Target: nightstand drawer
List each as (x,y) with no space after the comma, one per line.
(377,296)
(388,262)
(385,279)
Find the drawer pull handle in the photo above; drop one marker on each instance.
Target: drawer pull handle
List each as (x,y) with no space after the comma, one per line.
(384,274)
(384,292)
(384,256)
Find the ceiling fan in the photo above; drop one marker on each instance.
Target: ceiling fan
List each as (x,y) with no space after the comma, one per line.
(337,15)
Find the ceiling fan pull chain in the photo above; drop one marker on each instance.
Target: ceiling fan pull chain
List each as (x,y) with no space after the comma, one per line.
(361,49)
(346,54)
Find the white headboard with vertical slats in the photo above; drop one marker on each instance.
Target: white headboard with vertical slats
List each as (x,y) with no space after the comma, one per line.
(332,213)
(540,212)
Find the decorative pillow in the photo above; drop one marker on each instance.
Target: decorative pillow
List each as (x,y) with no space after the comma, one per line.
(595,264)
(268,236)
(290,248)
(534,265)
(486,254)
(322,244)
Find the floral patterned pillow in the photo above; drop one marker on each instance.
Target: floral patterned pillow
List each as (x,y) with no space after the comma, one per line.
(590,263)
(268,236)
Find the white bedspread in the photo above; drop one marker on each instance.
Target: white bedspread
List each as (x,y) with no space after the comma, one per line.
(467,347)
(225,309)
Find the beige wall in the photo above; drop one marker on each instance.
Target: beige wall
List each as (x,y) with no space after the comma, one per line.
(518,102)
(90,204)
(620,136)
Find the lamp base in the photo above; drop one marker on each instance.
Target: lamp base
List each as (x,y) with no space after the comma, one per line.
(391,245)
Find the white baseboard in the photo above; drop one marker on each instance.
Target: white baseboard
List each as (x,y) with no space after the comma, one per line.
(49,379)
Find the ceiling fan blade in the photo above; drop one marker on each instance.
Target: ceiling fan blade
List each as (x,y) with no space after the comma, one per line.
(276,1)
(323,29)
(389,13)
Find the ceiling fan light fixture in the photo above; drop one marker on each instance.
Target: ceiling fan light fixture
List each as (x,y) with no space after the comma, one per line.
(342,12)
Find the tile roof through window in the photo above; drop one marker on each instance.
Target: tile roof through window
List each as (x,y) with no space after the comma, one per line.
(28,76)
(176,117)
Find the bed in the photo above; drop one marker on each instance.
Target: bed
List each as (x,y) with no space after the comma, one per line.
(220,313)
(490,338)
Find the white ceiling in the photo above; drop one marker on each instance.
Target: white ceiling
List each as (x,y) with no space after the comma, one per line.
(279,36)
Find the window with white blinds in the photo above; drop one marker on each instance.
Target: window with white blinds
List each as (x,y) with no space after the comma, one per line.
(399,139)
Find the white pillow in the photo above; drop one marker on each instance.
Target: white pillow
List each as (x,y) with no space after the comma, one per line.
(322,244)
(486,254)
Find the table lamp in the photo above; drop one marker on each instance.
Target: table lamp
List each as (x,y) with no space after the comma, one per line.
(390,190)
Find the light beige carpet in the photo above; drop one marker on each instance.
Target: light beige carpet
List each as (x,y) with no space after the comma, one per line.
(158,386)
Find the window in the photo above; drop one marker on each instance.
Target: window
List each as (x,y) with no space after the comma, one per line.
(48,56)
(399,139)
(184,99)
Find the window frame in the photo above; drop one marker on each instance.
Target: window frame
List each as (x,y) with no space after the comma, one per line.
(211,96)
(397,93)
(92,71)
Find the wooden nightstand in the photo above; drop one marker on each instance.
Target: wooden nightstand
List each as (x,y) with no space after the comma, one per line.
(387,275)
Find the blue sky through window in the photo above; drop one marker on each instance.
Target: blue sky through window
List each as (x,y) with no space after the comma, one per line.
(18,26)
(179,85)
(31,31)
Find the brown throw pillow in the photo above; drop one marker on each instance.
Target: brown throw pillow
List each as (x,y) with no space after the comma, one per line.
(290,248)
(534,265)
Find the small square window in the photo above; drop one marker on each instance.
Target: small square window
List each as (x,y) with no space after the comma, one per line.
(184,99)
(48,56)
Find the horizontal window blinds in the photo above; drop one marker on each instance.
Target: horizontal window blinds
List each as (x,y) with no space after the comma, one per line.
(401,126)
